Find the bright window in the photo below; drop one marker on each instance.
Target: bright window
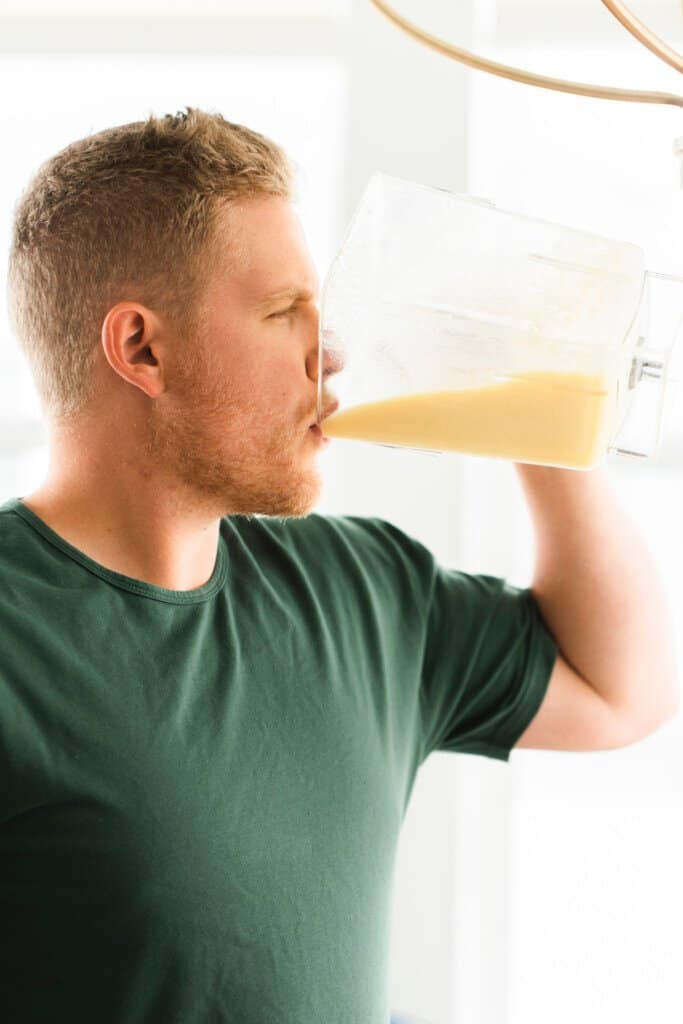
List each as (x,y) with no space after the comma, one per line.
(596,839)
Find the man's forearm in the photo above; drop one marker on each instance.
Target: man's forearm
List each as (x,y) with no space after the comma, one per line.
(599,590)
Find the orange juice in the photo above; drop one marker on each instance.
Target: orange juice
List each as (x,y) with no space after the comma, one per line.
(556,419)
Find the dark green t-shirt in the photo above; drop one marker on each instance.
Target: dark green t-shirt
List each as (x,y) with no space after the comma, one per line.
(202,791)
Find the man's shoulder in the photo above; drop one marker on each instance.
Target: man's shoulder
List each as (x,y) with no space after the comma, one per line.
(325,533)
(366,540)
(345,527)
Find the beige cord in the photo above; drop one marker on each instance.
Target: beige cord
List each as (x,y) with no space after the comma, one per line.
(643,34)
(527,77)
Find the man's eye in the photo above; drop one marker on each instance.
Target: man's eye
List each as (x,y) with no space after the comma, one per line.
(283,312)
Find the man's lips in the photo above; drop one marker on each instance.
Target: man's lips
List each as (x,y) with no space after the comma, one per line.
(327,412)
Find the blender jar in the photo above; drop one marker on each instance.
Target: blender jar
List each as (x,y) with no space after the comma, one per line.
(463,327)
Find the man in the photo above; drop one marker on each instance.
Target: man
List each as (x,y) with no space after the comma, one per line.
(214,703)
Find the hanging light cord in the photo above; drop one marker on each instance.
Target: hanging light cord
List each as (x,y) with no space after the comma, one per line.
(643,34)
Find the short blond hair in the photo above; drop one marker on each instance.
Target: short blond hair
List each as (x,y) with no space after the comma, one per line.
(127,213)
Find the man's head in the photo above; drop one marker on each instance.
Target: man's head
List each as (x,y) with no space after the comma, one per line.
(143,272)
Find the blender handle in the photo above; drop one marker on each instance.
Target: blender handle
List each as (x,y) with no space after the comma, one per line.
(638,435)
(650,368)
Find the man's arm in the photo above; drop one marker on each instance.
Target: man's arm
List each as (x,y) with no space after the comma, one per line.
(615,680)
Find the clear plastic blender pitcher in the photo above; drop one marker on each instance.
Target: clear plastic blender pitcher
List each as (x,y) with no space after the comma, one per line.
(452,325)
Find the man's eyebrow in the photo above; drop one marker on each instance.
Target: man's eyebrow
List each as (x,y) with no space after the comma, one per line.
(298,294)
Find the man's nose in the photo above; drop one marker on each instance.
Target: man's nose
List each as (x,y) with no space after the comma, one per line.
(332,356)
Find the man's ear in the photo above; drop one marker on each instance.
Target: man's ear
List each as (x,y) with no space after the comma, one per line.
(133,344)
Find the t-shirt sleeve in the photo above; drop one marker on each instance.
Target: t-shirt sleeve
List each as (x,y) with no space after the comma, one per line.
(488,659)
(487,654)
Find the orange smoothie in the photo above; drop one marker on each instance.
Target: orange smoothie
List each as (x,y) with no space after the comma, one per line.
(544,418)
